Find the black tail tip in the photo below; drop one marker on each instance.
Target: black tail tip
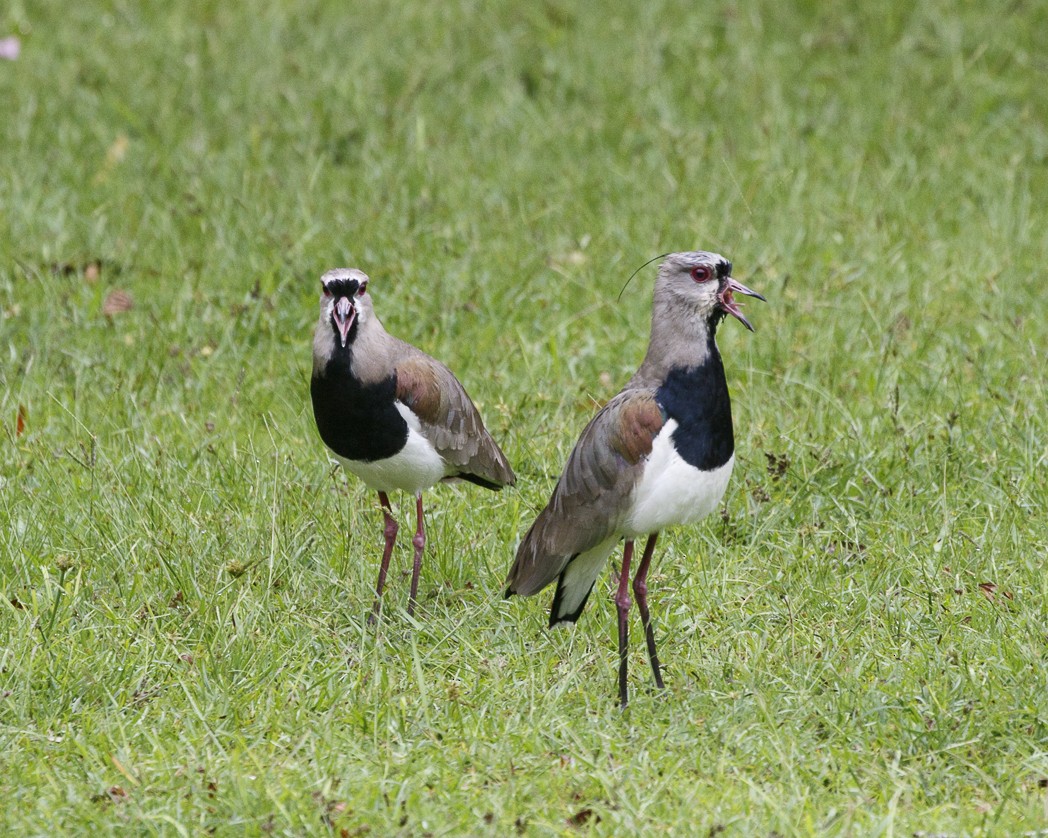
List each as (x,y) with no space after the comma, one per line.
(566,620)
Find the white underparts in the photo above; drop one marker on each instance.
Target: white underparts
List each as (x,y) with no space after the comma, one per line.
(414,468)
(672,491)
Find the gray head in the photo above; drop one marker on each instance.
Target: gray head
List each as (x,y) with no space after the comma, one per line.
(344,302)
(699,283)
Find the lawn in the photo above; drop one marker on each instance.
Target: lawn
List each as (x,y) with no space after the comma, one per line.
(856,645)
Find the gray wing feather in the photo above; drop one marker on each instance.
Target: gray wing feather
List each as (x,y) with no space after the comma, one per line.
(450,420)
(592,495)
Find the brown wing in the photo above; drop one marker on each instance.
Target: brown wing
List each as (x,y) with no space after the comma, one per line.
(451,421)
(592,495)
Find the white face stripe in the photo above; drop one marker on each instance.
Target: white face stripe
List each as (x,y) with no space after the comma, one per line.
(327,307)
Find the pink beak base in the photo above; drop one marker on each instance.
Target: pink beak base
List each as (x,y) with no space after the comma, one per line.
(727,301)
(344,314)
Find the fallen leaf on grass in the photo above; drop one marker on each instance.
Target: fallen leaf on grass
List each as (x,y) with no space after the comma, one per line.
(91,270)
(114,155)
(10,47)
(113,794)
(20,420)
(778,464)
(583,816)
(117,302)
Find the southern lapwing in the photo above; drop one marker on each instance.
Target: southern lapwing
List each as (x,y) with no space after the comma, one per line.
(392,415)
(658,454)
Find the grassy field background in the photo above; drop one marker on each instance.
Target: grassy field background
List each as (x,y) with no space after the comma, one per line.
(856,646)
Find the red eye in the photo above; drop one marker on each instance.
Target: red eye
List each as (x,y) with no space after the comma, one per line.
(325,290)
(362,289)
(701,273)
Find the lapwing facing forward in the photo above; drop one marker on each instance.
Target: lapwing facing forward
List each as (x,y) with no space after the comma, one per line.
(658,454)
(392,415)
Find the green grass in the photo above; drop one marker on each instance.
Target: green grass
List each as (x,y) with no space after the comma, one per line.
(185,579)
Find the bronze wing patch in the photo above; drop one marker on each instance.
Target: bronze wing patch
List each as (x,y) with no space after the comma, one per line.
(450,420)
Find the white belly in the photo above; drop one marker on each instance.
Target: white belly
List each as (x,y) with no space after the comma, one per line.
(415,467)
(671,491)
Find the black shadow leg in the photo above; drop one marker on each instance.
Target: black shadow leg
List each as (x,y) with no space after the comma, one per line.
(391,537)
(640,590)
(420,542)
(622,603)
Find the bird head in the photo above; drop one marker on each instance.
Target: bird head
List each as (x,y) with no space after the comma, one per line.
(702,283)
(344,302)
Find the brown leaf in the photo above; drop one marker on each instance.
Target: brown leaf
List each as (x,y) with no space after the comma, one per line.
(116,302)
(583,816)
(20,420)
(117,793)
(114,155)
(778,464)
(988,589)
(16,604)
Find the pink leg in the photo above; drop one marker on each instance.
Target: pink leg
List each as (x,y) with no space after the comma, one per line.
(391,537)
(640,590)
(622,603)
(420,542)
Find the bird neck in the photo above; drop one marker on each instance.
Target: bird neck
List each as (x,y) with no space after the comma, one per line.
(679,340)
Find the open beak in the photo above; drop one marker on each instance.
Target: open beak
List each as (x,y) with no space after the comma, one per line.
(344,314)
(728,303)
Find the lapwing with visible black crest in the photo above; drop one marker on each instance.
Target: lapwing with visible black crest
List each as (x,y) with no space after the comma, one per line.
(659,454)
(391,414)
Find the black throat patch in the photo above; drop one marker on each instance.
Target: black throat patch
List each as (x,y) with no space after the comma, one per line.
(357,421)
(697,398)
